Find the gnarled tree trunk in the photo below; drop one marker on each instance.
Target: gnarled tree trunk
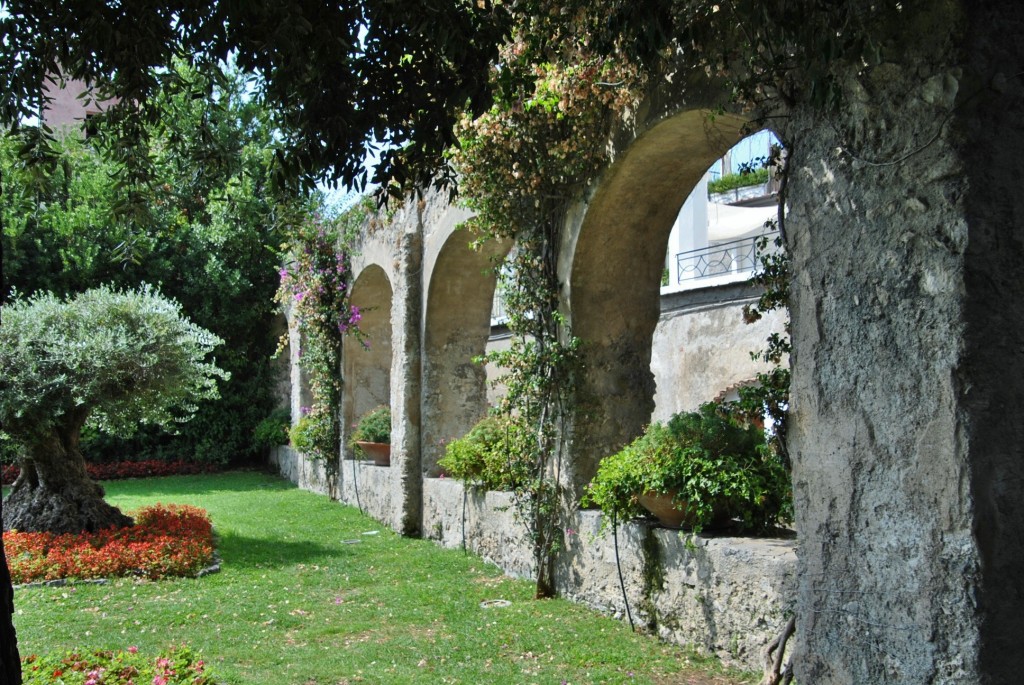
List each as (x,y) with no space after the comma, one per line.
(54,492)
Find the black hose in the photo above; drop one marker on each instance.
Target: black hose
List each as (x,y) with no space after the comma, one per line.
(618,566)
(465,488)
(355,483)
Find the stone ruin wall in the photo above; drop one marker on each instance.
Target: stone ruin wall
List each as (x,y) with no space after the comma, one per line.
(905,230)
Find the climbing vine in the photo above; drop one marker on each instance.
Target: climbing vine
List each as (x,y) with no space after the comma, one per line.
(521,165)
(315,286)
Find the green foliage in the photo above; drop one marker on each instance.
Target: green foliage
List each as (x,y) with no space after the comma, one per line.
(521,164)
(274,430)
(740,180)
(770,395)
(115,358)
(342,77)
(315,287)
(485,456)
(374,426)
(716,466)
(209,236)
(311,433)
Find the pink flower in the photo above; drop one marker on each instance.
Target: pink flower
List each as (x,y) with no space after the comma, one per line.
(163,662)
(133,650)
(159,680)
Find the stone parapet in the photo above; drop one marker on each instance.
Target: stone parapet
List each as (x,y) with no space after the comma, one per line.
(723,595)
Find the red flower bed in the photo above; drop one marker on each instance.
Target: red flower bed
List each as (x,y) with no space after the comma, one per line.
(127,469)
(166,540)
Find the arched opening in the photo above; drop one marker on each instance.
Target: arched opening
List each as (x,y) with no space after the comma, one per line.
(702,343)
(458,324)
(616,276)
(367,364)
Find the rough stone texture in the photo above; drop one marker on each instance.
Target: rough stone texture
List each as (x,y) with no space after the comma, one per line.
(905,434)
(406,313)
(456,328)
(727,596)
(371,489)
(993,391)
(701,347)
(301,470)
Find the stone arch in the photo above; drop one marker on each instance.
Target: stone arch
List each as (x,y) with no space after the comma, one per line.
(617,257)
(367,365)
(459,298)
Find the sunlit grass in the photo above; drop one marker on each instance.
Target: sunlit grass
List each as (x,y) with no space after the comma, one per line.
(313,592)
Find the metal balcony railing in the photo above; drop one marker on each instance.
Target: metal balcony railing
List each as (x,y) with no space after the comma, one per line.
(733,257)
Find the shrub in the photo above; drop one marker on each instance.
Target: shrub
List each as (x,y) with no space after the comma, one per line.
(714,464)
(273,430)
(482,456)
(127,469)
(741,180)
(309,434)
(374,426)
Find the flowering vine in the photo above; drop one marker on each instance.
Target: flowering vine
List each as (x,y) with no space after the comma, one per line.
(521,165)
(315,287)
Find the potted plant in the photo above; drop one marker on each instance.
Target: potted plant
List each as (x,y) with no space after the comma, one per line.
(700,468)
(373,435)
(481,456)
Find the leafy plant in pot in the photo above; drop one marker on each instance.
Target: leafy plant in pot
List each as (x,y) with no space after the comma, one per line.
(710,467)
(373,435)
(482,456)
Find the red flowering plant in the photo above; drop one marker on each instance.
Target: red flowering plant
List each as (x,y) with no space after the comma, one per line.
(126,469)
(166,540)
(315,287)
(173,666)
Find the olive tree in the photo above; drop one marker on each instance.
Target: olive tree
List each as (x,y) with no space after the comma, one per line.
(107,357)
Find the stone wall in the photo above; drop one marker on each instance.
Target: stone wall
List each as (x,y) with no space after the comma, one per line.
(726,596)
(906,238)
(301,470)
(701,347)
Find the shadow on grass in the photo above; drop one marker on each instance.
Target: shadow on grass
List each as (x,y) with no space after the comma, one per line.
(246,553)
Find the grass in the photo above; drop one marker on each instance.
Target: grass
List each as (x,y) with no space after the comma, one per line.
(299,602)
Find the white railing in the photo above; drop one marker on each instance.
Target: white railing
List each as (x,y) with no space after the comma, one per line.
(723,259)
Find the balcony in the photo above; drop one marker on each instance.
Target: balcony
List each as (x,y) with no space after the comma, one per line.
(718,264)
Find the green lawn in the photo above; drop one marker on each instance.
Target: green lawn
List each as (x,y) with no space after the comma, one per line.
(298,602)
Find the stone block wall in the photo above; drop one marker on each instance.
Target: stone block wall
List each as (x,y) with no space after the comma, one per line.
(726,596)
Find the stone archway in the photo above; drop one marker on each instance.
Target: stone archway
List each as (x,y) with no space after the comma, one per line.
(618,253)
(367,365)
(457,325)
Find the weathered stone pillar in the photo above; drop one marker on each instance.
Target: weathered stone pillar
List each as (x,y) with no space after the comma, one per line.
(908,364)
(406,479)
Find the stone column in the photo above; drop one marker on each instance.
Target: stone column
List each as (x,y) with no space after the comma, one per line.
(406,474)
(908,363)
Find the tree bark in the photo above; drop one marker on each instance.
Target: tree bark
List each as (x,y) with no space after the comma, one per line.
(54,492)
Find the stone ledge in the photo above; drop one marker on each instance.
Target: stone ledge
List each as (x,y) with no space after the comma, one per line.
(724,595)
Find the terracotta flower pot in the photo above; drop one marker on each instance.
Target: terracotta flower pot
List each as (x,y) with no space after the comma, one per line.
(669,514)
(380,452)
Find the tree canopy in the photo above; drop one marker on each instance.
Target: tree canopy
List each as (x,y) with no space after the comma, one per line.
(115,358)
(209,232)
(344,77)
